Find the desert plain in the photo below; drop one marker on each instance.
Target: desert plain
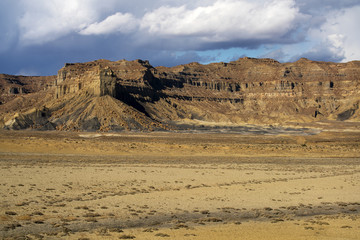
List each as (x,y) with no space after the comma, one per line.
(297,183)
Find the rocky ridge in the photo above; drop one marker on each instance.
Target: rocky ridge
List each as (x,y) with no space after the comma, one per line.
(133,95)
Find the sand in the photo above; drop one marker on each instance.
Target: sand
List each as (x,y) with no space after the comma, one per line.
(68,185)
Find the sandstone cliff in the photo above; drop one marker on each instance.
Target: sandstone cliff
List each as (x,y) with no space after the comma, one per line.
(133,95)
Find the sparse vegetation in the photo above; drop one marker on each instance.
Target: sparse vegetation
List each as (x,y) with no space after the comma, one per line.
(232,187)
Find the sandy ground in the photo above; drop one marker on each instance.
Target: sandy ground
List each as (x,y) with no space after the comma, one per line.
(66,185)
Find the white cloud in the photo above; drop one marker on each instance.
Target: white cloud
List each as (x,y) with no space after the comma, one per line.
(155,30)
(203,21)
(227,20)
(124,23)
(339,34)
(44,20)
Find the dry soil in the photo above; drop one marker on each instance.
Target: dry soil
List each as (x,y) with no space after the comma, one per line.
(68,185)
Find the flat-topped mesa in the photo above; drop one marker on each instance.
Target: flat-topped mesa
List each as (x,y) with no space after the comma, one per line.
(102,77)
(105,95)
(95,81)
(266,90)
(243,78)
(270,77)
(311,88)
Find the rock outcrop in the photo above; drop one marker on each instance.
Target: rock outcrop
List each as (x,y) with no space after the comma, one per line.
(12,86)
(266,91)
(133,95)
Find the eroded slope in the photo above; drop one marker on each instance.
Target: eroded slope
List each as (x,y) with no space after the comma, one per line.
(133,95)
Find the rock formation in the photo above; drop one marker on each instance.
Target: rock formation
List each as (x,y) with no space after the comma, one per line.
(133,95)
(13,86)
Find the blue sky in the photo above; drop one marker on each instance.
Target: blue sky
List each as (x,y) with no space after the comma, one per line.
(39,36)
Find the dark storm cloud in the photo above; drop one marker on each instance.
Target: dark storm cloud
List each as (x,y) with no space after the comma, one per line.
(9,13)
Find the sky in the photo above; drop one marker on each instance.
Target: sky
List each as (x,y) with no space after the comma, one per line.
(37,37)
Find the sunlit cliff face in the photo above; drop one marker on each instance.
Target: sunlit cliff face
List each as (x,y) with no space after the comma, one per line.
(114,95)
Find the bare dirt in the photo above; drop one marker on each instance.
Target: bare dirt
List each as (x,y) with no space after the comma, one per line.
(168,185)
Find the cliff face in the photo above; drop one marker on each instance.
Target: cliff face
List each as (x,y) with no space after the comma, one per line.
(105,95)
(263,90)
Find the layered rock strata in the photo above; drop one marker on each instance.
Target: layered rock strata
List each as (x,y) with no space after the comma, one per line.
(133,95)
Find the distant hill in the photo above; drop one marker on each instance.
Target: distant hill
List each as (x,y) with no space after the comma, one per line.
(132,95)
